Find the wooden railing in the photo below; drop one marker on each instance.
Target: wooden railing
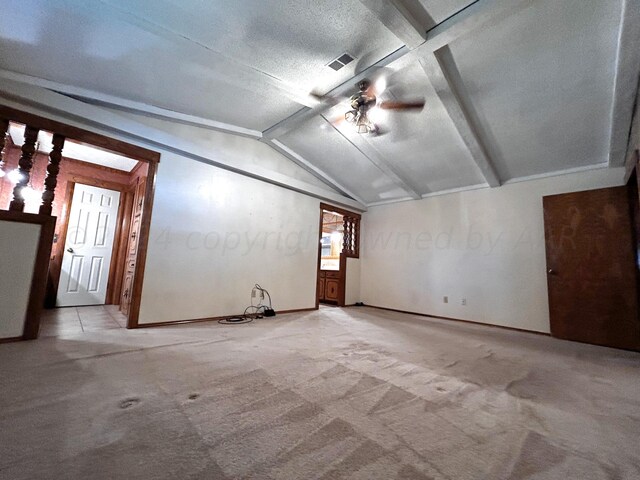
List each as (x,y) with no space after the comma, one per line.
(351,235)
(25,164)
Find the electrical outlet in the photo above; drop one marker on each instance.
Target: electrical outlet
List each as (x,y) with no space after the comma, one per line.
(445,299)
(464,301)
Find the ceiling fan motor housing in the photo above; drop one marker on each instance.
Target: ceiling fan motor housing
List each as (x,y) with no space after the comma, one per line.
(362,102)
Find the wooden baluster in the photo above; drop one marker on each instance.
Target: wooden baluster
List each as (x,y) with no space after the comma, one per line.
(345,235)
(4,126)
(52,175)
(25,163)
(352,235)
(356,237)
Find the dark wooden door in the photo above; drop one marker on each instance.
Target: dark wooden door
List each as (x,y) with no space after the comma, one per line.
(591,268)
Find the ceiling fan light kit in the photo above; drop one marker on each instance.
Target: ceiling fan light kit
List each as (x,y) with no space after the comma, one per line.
(364,100)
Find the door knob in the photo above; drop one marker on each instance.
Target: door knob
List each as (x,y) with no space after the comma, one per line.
(551,271)
(70,250)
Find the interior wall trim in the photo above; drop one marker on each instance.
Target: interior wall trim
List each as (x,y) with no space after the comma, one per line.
(491,325)
(215,319)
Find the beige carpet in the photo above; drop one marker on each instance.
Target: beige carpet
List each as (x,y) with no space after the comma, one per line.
(336,394)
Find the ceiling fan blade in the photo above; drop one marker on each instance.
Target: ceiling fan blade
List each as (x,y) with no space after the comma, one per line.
(393,105)
(327,99)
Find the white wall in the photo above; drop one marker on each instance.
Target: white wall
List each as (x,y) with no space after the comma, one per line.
(484,245)
(352,281)
(18,249)
(265,234)
(214,234)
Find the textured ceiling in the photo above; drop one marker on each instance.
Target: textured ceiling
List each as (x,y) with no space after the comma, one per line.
(512,88)
(545,94)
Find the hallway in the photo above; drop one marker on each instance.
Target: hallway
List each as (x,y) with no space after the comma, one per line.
(72,320)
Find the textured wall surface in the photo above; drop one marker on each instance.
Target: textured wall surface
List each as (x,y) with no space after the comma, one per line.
(485,246)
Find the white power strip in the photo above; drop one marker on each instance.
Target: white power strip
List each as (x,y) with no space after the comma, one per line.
(255,293)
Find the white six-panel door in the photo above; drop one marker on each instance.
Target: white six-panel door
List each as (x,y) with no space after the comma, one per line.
(88,246)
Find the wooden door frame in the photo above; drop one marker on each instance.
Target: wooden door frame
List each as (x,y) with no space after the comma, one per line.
(343,258)
(55,267)
(151,157)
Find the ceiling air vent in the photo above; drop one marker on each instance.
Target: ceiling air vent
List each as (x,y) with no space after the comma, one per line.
(341,61)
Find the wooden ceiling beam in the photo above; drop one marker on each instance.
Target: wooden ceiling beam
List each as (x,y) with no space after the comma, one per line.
(395,16)
(359,141)
(626,82)
(480,13)
(311,168)
(446,81)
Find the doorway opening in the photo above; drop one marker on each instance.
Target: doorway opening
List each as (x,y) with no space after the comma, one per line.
(101,196)
(339,239)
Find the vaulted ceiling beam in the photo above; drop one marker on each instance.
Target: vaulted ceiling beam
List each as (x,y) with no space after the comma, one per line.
(633,149)
(311,168)
(447,83)
(343,90)
(395,16)
(41,101)
(369,151)
(626,82)
(481,13)
(478,14)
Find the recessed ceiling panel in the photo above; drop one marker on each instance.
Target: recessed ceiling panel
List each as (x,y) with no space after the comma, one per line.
(542,83)
(323,146)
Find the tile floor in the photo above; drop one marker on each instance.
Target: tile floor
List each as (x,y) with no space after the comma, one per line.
(71,320)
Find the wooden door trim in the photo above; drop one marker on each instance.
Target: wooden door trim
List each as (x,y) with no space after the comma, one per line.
(114,284)
(145,226)
(118,261)
(341,211)
(319,259)
(58,250)
(133,151)
(342,282)
(143,243)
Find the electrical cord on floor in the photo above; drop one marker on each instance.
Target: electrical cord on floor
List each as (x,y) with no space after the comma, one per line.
(267,311)
(258,287)
(260,310)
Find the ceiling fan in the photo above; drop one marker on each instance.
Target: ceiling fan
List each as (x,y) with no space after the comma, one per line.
(365,100)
